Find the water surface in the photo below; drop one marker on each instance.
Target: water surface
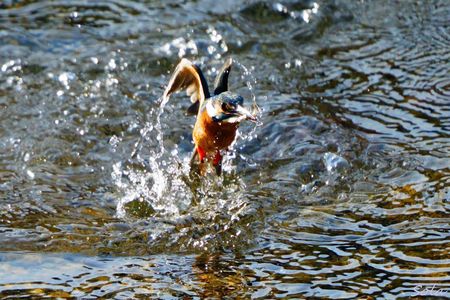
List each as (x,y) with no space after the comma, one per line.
(342,190)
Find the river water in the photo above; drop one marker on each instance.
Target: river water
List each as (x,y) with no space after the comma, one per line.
(341,191)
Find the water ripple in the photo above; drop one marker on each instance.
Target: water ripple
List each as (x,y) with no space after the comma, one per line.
(340,192)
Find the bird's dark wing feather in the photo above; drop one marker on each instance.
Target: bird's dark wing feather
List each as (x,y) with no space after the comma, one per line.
(221,82)
(189,77)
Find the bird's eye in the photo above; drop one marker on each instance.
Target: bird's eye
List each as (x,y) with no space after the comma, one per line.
(226,107)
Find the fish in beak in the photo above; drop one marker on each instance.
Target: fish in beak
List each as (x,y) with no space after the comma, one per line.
(244,114)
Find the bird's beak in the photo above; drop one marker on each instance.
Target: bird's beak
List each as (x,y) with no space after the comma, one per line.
(243,113)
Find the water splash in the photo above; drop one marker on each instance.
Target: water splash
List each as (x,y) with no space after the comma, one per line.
(250,82)
(180,46)
(159,176)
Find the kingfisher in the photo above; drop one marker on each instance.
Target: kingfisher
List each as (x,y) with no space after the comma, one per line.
(218,115)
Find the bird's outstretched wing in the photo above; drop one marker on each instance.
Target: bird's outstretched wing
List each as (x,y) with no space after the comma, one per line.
(221,82)
(189,77)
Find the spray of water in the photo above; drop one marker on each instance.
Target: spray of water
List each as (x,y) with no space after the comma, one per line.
(157,176)
(158,182)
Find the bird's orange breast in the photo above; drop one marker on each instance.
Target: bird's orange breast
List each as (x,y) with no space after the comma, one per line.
(211,136)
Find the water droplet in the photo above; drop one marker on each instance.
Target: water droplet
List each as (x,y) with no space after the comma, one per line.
(10,64)
(179,45)
(26,157)
(30,174)
(112,64)
(114,141)
(65,78)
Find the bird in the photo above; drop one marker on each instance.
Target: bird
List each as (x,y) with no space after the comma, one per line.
(217,116)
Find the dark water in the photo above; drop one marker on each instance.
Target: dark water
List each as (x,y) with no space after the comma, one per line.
(341,192)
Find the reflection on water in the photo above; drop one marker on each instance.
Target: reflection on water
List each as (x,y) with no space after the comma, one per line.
(341,192)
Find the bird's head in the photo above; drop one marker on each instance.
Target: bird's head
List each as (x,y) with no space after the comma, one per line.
(227,107)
